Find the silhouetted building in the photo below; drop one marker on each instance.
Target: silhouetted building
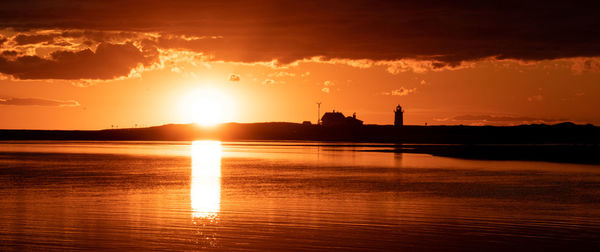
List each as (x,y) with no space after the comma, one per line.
(306,123)
(399,117)
(338,119)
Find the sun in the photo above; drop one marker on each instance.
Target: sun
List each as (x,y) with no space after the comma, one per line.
(206,107)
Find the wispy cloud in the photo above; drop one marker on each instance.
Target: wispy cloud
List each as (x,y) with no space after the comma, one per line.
(234,77)
(268,82)
(506,119)
(585,64)
(535,98)
(400,91)
(282,74)
(38,102)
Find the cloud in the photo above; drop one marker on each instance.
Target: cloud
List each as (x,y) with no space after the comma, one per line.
(442,34)
(282,74)
(506,119)
(535,98)
(417,66)
(109,61)
(176,70)
(38,102)
(23,39)
(9,53)
(234,77)
(327,84)
(401,91)
(581,65)
(268,82)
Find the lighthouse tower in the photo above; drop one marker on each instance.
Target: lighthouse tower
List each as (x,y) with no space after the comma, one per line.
(399,117)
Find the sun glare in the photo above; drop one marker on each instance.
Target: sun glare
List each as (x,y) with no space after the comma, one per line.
(206,107)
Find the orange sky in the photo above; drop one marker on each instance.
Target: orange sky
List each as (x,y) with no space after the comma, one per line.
(92,74)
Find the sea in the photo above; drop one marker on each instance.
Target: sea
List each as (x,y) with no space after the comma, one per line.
(287,196)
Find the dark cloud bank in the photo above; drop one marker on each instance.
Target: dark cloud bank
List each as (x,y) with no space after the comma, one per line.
(445,32)
(107,62)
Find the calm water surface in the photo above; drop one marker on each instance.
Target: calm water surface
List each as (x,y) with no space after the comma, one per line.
(209,195)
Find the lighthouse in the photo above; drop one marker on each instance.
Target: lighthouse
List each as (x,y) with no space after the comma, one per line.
(399,117)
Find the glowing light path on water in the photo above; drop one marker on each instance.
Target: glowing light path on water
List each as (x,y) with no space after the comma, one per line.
(205,190)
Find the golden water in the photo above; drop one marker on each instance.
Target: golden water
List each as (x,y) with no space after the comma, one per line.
(209,195)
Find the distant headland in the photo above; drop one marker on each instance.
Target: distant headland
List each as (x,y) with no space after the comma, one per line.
(562,133)
(563,142)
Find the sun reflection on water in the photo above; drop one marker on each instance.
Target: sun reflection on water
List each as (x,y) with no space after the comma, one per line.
(205,190)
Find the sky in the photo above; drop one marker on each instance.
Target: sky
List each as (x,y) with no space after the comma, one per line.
(104,64)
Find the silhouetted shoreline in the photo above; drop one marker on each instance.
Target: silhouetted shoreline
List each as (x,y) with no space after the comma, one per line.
(566,142)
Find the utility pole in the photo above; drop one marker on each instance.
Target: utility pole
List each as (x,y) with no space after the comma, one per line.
(318,113)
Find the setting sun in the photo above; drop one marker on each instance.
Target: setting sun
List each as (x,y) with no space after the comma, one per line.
(206,107)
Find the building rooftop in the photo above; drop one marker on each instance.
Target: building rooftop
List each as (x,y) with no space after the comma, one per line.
(338,119)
